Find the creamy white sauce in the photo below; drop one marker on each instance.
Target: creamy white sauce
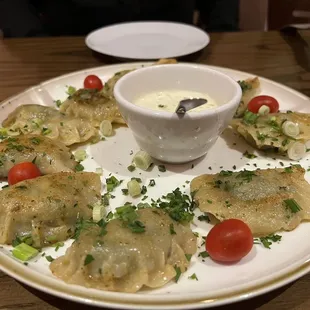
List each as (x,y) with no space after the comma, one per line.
(168,100)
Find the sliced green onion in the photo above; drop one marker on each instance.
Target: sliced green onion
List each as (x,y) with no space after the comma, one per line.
(292,205)
(264,110)
(290,129)
(98,212)
(106,128)
(134,188)
(99,171)
(142,160)
(296,150)
(70,90)
(80,155)
(24,252)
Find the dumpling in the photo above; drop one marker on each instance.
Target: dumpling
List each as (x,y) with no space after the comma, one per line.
(49,155)
(250,88)
(47,208)
(265,131)
(267,200)
(47,121)
(92,105)
(114,257)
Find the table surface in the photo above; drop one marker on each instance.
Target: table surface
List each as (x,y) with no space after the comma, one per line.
(26,62)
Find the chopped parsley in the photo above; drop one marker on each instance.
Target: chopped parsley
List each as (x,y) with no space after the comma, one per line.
(125,191)
(245,85)
(209,201)
(162,168)
(45,131)
(188,257)
(79,167)
(88,259)
(49,258)
(261,137)
(285,142)
(152,183)
(225,173)
(250,118)
(58,103)
(70,90)
(246,175)
(131,168)
(112,183)
(58,245)
(136,227)
(203,254)
(171,228)
(204,218)
(249,155)
(143,190)
(288,170)
(128,215)
(178,273)
(268,240)
(292,205)
(35,140)
(193,277)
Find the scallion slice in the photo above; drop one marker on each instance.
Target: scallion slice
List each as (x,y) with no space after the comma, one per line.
(264,110)
(24,252)
(292,205)
(99,171)
(134,188)
(290,129)
(106,128)
(142,160)
(296,150)
(80,155)
(98,212)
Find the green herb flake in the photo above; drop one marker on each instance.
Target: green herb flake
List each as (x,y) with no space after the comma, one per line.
(131,168)
(112,183)
(162,168)
(58,103)
(125,191)
(143,190)
(171,228)
(178,273)
(136,227)
(79,167)
(45,131)
(204,218)
(58,245)
(88,259)
(292,205)
(268,240)
(35,140)
(188,257)
(250,118)
(225,173)
(245,86)
(203,254)
(285,142)
(209,201)
(249,155)
(70,90)
(152,183)
(49,258)
(288,170)
(193,277)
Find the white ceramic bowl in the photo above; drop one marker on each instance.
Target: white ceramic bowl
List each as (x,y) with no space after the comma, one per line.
(164,135)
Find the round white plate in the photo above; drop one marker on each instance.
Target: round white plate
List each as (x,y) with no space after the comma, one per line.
(261,271)
(147,40)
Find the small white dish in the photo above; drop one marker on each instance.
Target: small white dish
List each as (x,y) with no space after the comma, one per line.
(165,135)
(147,40)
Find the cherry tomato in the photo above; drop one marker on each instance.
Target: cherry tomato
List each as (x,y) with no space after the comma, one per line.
(92,81)
(23,171)
(257,102)
(229,241)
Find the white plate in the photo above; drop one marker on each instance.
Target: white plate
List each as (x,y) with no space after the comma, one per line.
(147,40)
(261,271)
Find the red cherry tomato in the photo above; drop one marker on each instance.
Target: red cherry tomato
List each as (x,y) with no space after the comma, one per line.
(92,81)
(255,104)
(229,241)
(23,171)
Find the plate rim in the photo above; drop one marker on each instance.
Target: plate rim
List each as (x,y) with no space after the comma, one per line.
(98,50)
(18,271)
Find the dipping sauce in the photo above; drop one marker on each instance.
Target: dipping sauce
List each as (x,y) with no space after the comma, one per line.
(168,100)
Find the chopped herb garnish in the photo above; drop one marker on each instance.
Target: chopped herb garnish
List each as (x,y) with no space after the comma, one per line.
(203,254)
(137,179)
(268,240)
(131,168)
(292,205)
(188,257)
(204,218)
(79,167)
(58,103)
(209,201)
(46,131)
(35,140)
(285,142)
(225,173)
(152,183)
(162,168)
(137,227)
(245,85)
(288,170)
(125,191)
(171,228)
(143,190)
(34,160)
(249,155)
(21,187)
(58,245)
(193,277)
(261,137)
(250,118)
(247,175)
(112,183)
(178,273)
(88,259)
(49,258)
(70,90)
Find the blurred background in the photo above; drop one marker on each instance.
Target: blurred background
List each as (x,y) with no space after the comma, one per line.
(25,18)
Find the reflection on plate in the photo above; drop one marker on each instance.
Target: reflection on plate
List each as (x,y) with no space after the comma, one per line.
(217,284)
(147,40)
